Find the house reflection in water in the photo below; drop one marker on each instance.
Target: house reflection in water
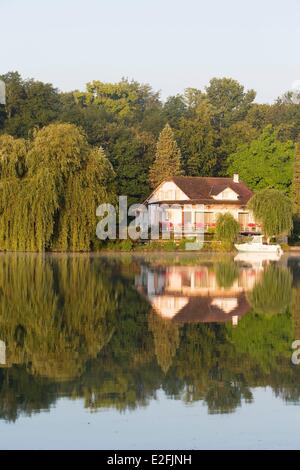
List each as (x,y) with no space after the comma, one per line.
(197,293)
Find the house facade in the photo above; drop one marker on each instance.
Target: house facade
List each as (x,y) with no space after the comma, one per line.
(196,202)
(187,294)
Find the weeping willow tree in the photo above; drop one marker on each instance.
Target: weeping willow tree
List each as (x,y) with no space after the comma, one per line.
(272,294)
(49,320)
(166,337)
(50,189)
(273,210)
(12,170)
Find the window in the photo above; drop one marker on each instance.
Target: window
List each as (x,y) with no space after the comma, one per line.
(187,216)
(199,217)
(208,218)
(243,218)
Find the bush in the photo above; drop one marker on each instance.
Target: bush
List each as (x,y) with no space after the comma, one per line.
(227,229)
(118,245)
(221,247)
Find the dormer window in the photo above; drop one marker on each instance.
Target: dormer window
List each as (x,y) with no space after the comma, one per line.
(227,195)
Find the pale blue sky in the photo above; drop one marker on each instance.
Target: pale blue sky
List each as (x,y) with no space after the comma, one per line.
(171,44)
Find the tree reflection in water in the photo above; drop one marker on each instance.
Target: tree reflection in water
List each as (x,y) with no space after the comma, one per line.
(115,331)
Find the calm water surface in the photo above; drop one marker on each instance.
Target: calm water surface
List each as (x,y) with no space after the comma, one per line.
(166,352)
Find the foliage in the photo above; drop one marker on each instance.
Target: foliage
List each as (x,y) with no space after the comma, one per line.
(273,210)
(50,189)
(218,130)
(265,162)
(230,101)
(131,153)
(227,228)
(126,100)
(196,138)
(30,104)
(167,161)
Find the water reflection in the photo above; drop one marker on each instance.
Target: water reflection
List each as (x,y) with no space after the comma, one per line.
(115,331)
(212,292)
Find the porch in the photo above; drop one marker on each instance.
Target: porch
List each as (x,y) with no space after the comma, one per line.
(191,220)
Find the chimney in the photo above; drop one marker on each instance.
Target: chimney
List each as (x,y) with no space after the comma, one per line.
(236,178)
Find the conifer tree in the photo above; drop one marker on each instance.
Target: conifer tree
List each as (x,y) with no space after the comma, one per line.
(167,161)
(166,336)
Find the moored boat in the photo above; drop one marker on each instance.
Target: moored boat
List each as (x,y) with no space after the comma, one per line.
(256,245)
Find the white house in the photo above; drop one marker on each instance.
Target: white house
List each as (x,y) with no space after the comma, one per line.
(192,293)
(197,201)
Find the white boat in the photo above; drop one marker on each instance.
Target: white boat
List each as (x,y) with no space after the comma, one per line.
(256,245)
(256,260)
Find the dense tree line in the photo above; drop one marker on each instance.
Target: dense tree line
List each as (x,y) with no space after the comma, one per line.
(215,131)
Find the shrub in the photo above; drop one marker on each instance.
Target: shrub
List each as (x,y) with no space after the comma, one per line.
(227,229)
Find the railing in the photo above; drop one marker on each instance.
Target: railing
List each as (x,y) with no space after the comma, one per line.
(194,228)
(250,228)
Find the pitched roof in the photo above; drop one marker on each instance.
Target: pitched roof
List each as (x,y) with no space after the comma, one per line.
(202,188)
(202,310)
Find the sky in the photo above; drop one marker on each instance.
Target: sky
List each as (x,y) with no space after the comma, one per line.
(170,44)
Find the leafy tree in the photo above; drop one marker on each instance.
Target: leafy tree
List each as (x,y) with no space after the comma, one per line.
(227,228)
(231,103)
(273,210)
(167,161)
(131,153)
(258,116)
(127,101)
(196,138)
(229,140)
(174,109)
(219,130)
(50,189)
(29,104)
(93,119)
(265,162)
